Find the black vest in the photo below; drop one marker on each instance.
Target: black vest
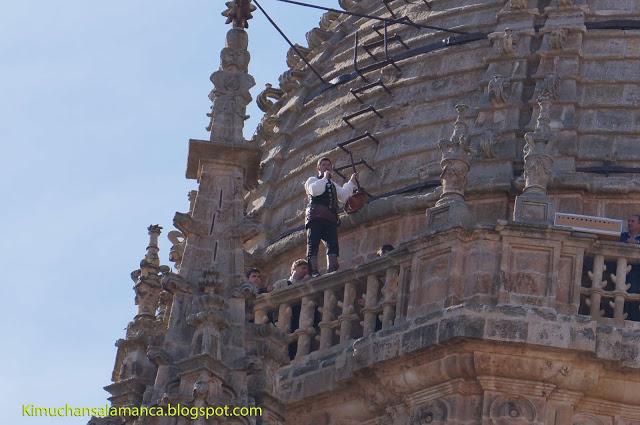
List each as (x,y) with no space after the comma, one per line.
(323,207)
(329,198)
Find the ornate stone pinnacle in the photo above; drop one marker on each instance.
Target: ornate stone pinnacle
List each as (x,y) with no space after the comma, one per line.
(230,94)
(239,12)
(456,157)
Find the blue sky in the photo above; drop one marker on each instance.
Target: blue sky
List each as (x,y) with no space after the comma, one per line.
(97,102)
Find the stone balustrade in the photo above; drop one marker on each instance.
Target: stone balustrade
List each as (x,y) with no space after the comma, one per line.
(536,271)
(337,308)
(610,283)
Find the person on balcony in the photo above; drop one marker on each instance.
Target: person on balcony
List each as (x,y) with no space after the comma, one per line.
(384,250)
(254,277)
(633,233)
(299,273)
(321,218)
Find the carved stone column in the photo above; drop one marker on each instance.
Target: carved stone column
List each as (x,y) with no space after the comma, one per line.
(620,279)
(371,302)
(305,331)
(451,209)
(348,314)
(389,297)
(326,325)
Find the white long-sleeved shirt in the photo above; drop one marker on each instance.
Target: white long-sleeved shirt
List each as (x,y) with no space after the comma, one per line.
(316,187)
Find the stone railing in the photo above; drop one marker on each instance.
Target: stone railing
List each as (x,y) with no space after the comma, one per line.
(610,284)
(527,269)
(337,308)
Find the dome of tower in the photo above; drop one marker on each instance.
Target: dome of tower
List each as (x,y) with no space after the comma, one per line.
(390,109)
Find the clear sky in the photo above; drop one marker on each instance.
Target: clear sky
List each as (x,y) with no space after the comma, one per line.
(97,102)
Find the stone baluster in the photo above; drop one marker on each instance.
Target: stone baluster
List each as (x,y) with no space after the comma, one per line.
(284,318)
(370,304)
(596,286)
(346,318)
(620,279)
(326,325)
(260,316)
(390,296)
(305,331)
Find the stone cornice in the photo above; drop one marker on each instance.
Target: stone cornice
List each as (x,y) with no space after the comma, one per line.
(246,157)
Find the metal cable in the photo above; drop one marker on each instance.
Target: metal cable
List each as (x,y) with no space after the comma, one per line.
(289,41)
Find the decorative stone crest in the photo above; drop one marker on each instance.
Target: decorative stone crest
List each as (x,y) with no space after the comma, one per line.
(263,98)
(239,12)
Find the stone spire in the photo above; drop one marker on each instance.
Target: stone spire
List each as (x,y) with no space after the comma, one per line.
(225,165)
(232,82)
(133,371)
(147,277)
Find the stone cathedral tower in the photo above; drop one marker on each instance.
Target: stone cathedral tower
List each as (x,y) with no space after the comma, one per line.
(474,125)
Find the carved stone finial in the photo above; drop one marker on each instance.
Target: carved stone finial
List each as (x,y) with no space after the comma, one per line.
(456,156)
(239,12)
(534,205)
(451,210)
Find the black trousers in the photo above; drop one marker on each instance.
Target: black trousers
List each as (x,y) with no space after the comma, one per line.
(319,229)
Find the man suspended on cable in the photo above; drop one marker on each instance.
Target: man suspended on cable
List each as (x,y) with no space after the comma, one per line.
(321,220)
